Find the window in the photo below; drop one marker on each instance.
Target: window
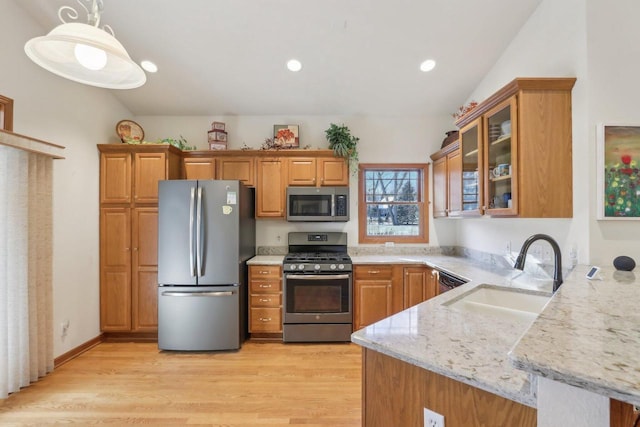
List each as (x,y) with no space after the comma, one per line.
(391,203)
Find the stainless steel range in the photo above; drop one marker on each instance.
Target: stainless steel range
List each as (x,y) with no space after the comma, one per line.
(317,293)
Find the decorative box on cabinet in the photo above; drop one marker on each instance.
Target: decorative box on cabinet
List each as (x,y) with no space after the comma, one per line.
(129,176)
(535,153)
(265,300)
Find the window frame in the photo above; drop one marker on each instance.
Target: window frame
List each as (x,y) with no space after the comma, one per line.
(423,203)
(6,113)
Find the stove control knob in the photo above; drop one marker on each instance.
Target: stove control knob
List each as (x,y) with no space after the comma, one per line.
(341,267)
(316,267)
(292,267)
(333,266)
(301,267)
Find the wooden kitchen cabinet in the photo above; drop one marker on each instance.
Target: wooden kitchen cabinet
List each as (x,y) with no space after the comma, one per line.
(237,168)
(377,293)
(115,177)
(419,285)
(333,171)
(302,171)
(447,181)
(129,176)
(270,172)
(144,264)
(115,269)
(381,290)
(523,130)
(199,168)
(265,300)
(470,170)
(317,172)
(271,188)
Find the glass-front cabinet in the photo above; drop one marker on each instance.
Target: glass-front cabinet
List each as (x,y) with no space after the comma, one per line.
(471,151)
(500,159)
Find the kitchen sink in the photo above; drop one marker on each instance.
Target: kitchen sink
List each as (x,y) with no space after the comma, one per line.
(508,303)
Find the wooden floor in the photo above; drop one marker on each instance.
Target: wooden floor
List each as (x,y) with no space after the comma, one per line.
(263,384)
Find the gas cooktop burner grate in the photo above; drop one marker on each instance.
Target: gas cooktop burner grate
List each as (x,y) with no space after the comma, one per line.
(317,257)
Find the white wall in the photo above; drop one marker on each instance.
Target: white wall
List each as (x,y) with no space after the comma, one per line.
(382,140)
(614,60)
(78,117)
(551,44)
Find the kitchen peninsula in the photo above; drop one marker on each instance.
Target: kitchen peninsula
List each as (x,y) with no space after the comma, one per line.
(458,363)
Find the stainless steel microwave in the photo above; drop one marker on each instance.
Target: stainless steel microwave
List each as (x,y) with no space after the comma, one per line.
(315,204)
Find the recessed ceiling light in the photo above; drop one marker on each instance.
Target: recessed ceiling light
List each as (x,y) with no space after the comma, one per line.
(427,65)
(149,66)
(294,65)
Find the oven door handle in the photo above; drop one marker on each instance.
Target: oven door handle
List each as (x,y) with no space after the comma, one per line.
(317,276)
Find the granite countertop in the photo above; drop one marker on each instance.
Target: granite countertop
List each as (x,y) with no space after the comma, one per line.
(588,335)
(266,260)
(466,346)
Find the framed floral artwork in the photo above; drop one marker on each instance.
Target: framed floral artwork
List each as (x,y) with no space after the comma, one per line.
(618,172)
(286,136)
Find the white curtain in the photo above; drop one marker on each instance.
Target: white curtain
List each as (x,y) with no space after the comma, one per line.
(26,332)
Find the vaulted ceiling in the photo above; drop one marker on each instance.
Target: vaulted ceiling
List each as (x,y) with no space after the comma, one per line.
(359,57)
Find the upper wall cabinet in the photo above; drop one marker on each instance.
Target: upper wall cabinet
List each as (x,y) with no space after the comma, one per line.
(447,181)
(130,173)
(516,150)
(318,171)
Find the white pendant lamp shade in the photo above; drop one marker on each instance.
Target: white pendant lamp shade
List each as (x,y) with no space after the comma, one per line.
(86,54)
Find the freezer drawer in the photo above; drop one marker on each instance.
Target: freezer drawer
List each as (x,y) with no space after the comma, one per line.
(199,318)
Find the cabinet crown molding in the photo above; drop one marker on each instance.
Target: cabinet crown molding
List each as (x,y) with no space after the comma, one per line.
(513,87)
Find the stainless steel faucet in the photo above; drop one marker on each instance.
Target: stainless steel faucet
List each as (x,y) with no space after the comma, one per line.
(557,255)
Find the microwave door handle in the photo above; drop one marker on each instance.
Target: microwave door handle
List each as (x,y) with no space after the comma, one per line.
(333,205)
(192,267)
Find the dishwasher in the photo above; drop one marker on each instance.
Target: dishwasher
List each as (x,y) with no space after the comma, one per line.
(447,281)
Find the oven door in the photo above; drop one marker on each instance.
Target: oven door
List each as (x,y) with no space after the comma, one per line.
(317,298)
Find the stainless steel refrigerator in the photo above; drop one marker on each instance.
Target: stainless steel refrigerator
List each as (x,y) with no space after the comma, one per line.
(206,233)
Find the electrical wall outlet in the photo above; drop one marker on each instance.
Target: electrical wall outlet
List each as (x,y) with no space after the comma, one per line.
(389,244)
(433,419)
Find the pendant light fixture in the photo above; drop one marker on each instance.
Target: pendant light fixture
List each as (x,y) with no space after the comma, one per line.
(85,53)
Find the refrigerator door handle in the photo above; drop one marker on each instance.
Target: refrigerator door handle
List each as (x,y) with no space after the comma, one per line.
(199,233)
(199,294)
(192,266)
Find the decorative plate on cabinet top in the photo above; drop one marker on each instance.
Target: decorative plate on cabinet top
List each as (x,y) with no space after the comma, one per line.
(130,132)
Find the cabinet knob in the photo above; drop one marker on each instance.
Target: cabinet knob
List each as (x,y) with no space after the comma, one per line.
(264,272)
(373,272)
(265,286)
(265,299)
(265,319)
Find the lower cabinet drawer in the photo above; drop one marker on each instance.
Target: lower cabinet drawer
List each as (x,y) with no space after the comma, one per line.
(266,300)
(266,319)
(374,272)
(259,286)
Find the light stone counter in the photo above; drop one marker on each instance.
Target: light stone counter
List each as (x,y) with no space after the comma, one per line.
(588,335)
(466,346)
(266,260)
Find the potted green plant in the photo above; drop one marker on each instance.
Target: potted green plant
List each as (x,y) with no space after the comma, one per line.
(343,143)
